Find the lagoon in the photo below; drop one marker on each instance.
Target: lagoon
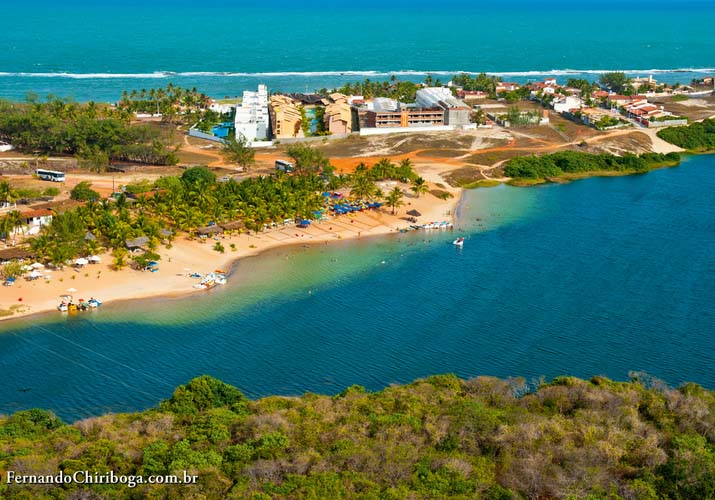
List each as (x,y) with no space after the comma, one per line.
(602,276)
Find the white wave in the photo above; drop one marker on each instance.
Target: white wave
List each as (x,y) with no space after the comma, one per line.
(87,76)
(350,73)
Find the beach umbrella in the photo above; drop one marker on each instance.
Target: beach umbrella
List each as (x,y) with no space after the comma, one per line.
(72,290)
(81,261)
(414,213)
(37,265)
(94,258)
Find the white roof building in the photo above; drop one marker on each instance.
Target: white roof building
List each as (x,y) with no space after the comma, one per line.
(456,111)
(252,115)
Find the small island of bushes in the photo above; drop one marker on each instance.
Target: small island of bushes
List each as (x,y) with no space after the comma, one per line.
(567,165)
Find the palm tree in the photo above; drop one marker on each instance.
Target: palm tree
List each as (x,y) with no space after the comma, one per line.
(7,193)
(5,228)
(363,187)
(394,199)
(16,222)
(419,186)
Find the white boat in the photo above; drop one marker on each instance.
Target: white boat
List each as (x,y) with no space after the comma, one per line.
(94,303)
(211,280)
(458,242)
(62,307)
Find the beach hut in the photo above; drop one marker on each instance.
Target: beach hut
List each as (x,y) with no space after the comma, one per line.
(94,259)
(209,230)
(136,244)
(8,254)
(81,262)
(233,225)
(166,233)
(34,275)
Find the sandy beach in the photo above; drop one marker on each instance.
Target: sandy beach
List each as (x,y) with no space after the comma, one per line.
(194,255)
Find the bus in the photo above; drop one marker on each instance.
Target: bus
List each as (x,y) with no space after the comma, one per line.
(284,166)
(50,175)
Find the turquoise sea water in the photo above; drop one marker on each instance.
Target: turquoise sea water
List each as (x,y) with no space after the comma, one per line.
(94,50)
(600,276)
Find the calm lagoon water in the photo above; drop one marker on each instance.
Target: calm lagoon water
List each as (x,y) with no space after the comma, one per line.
(600,276)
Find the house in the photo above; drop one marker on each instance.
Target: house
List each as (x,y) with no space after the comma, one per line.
(564,104)
(647,83)
(506,87)
(35,219)
(472,95)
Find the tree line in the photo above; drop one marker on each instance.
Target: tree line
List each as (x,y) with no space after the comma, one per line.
(699,136)
(184,203)
(95,133)
(574,162)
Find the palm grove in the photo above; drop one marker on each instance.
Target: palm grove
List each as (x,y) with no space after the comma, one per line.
(184,203)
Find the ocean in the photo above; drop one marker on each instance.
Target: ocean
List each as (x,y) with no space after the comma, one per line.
(602,276)
(93,51)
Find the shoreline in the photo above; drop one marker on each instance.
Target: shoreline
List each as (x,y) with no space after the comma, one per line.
(41,297)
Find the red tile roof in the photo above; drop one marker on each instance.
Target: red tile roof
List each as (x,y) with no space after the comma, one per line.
(31,214)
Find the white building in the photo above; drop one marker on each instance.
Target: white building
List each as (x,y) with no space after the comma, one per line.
(252,115)
(456,111)
(562,104)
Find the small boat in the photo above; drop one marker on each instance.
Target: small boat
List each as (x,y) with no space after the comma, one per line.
(458,242)
(211,280)
(62,307)
(94,303)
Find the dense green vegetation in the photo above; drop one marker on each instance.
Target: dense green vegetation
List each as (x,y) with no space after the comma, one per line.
(695,137)
(196,199)
(482,82)
(566,163)
(617,81)
(436,438)
(95,133)
(174,104)
(394,89)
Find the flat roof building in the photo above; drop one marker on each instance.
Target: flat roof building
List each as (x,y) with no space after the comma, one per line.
(456,112)
(251,120)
